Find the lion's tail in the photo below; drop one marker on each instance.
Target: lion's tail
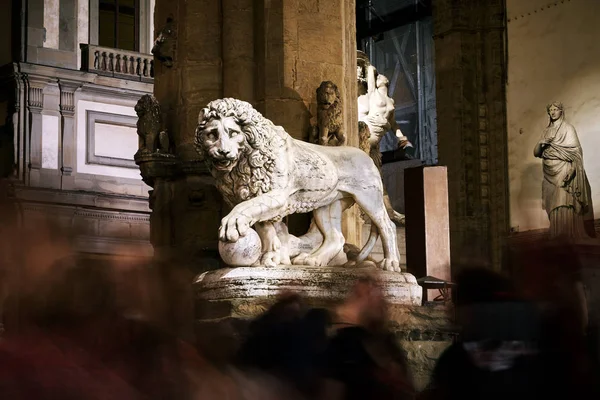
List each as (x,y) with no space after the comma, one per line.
(368,247)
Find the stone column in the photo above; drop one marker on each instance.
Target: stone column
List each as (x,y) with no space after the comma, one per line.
(185,216)
(238,49)
(471,114)
(68,134)
(195,78)
(35,104)
(298,45)
(427,223)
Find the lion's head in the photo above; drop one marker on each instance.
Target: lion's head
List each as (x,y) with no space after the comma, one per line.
(239,146)
(327,94)
(164,45)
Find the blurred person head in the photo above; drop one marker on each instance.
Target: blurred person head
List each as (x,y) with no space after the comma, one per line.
(365,305)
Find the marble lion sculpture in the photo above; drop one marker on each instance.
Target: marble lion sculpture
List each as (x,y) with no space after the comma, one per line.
(265,175)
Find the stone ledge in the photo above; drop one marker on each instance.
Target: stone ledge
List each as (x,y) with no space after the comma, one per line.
(330,283)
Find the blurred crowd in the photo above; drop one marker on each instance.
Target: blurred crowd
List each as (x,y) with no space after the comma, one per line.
(109,330)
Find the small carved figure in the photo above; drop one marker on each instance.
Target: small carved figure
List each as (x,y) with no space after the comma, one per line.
(566,192)
(164,45)
(362,62)
(265,175)
(330,124)
(152,138)
(376,113)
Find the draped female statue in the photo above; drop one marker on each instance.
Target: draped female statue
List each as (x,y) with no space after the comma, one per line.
(566,193)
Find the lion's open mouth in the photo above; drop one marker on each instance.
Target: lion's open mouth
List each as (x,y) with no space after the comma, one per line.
(223,163)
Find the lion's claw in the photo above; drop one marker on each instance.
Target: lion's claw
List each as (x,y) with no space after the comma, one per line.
(309,259)
(233,227)
(389,265)
(270,259)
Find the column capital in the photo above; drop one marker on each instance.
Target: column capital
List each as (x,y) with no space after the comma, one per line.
(67,96)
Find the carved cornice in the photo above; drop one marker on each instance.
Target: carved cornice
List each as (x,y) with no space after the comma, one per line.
(78,199)
(113,246)
(534,11)
(84,213)
(128,94)
(73,79)
(111,215)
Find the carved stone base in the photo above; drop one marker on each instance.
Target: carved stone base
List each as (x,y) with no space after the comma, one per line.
(318,283)
(227,299)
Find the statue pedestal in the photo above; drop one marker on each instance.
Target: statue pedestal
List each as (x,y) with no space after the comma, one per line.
(227,299)
(325,284)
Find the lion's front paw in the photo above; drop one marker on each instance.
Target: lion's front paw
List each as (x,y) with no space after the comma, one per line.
(310,259)
(233,226)
(270,259)
(300,259)
(389,265)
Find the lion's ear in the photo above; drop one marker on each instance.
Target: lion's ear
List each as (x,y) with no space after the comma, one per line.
(201,115)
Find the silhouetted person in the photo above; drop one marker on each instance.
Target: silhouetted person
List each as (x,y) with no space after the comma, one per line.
(287,342)
(501,353)
(363,358)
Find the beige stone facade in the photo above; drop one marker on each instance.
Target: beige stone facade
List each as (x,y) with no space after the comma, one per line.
(69,136)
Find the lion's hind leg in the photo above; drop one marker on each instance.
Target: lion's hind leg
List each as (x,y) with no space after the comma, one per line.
(329,221)
(375,209)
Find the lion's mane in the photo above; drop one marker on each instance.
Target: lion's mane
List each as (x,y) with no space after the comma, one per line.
(256,164)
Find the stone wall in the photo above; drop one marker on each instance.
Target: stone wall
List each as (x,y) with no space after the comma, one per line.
(422,332)
(471,119)
(538,74)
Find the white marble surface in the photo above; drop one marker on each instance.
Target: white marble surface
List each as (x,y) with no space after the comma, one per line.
(117,141)
(150,25)
(51,20)
(266,175)
(330,283)
(83,26)
(81,122)
(553,56)
(50,135)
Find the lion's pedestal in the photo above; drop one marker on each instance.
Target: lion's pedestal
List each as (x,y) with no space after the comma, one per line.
(227,299)
(321,284)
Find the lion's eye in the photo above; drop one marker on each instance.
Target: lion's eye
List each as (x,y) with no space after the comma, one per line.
(211,135)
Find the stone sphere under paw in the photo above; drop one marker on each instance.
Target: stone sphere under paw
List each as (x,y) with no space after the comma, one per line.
(244,252)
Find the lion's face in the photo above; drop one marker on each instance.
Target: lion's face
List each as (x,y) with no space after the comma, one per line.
(222,140)
(327,94)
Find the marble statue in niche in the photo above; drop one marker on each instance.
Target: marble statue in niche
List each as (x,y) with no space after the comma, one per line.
(152,139)
(566,193)
(264,175)
(376,114)
(330,124)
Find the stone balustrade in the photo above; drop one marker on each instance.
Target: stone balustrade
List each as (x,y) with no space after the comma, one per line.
(117,63)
